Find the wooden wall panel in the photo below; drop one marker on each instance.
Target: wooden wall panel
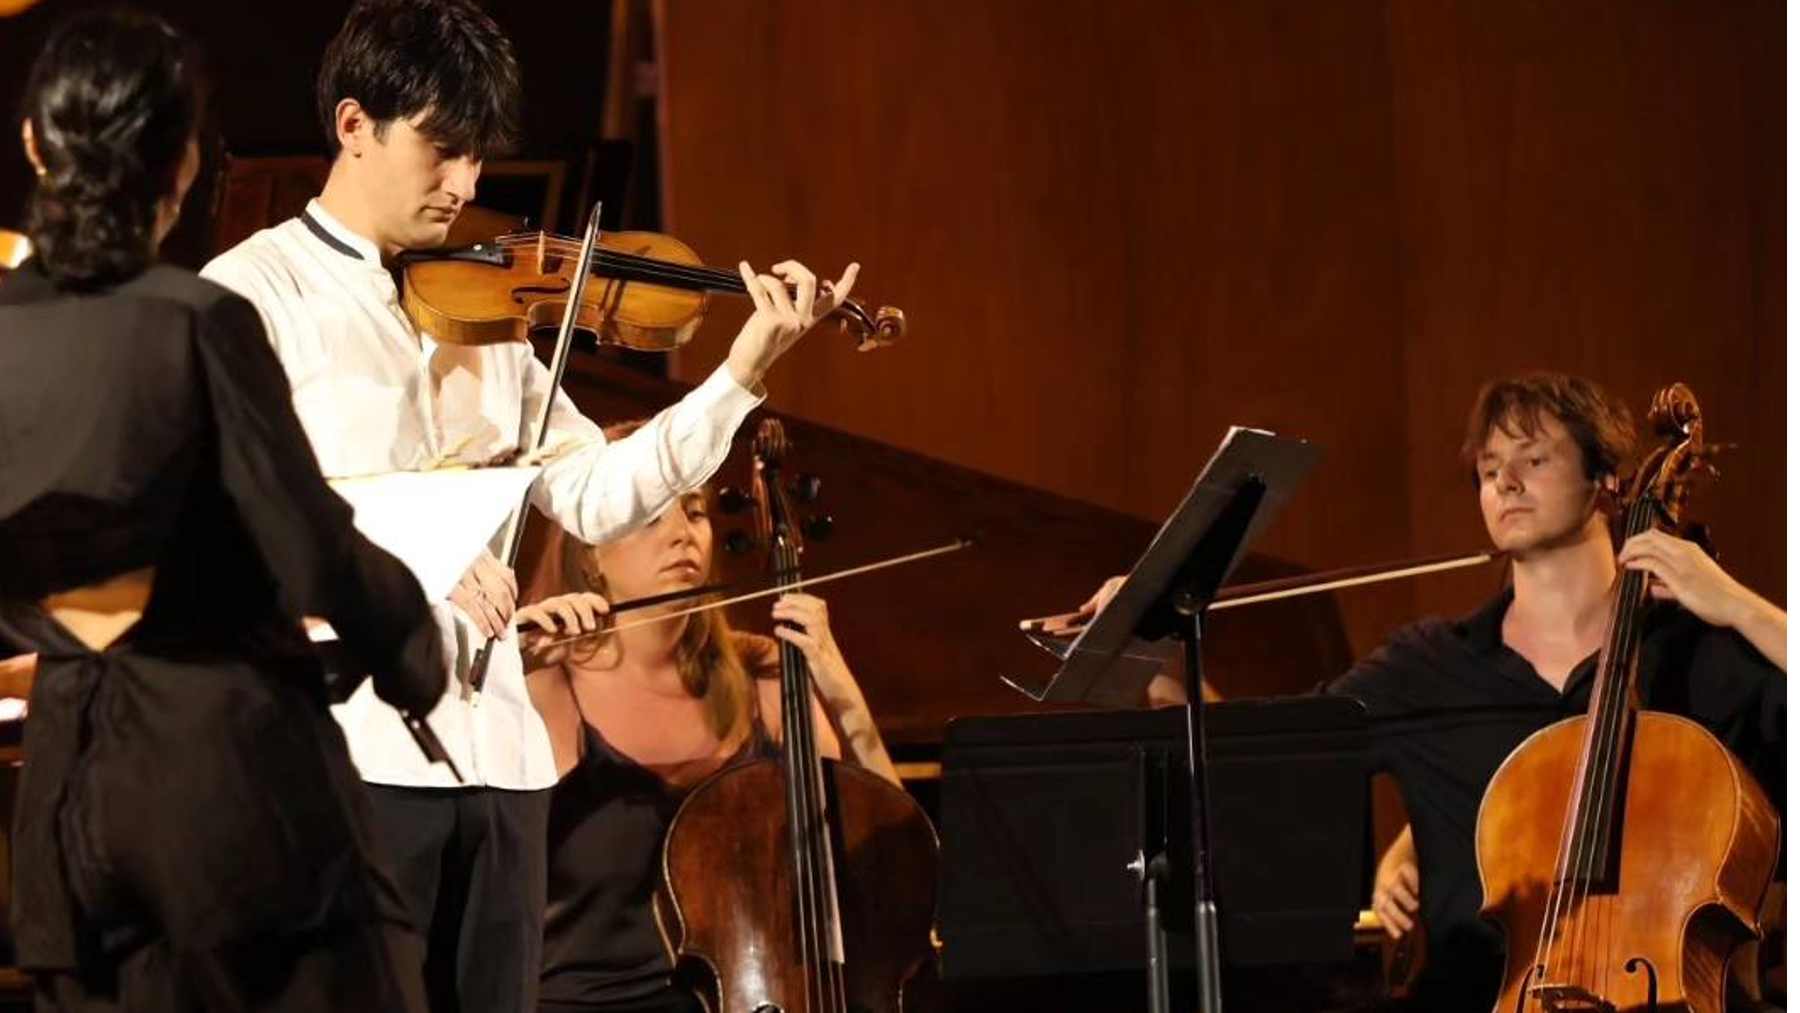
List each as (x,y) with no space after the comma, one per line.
(1106,252)
(1584,193)
(1118,228)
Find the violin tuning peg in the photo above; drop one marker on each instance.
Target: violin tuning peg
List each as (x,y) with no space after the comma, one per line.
(732,500)
(738,543)
(806,488)
(818,527)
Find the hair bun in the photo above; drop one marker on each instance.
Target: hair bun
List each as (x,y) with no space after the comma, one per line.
(113,100)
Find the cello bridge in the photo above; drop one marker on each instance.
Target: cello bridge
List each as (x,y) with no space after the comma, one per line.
(1553,998)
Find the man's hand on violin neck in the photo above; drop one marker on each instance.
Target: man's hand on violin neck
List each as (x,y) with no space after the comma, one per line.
(781,316)
(487,594)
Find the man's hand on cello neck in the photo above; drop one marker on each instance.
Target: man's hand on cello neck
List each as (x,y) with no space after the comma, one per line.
(1682,572)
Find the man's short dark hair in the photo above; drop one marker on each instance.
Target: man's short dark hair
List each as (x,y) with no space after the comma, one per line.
(1599,423)
(444,58)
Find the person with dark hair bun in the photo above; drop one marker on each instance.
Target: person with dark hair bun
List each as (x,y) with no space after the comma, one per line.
(114,155)
(413,95)
(189,833)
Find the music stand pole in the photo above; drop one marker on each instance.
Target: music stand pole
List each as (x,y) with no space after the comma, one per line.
(1206,909)
(1166,594)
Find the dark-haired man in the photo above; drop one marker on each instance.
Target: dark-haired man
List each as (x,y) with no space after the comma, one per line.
(1451,699)
(412,95)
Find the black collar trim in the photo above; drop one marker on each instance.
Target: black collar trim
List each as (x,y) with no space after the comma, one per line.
(312,224)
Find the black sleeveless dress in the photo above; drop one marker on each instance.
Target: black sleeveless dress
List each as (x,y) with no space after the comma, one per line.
(608,816)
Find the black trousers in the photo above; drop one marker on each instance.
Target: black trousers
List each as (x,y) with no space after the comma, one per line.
(470,863)
(352,967)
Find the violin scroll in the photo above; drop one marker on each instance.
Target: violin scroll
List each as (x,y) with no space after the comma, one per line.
(887,326)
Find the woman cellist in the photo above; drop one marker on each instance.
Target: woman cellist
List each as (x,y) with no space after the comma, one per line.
(635,720)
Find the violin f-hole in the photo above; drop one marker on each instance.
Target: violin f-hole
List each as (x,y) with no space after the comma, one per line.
(524,295)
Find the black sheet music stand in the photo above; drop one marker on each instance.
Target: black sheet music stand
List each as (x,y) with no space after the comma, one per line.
(1250,476)
(1042,814)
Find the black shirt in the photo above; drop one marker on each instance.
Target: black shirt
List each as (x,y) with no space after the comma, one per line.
(1448,701)
(188,779)
(609,815)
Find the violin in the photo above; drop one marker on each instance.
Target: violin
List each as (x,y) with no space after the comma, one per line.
(638,289)
(805,885)
(646,291)
(1656,872)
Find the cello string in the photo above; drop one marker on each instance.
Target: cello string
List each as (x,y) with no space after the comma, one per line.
(811,775)
(1553,939)
(1604,807)
(796,716)
(1571,921)
(1606,735)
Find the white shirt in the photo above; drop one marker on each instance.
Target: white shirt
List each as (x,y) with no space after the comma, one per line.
(375,394)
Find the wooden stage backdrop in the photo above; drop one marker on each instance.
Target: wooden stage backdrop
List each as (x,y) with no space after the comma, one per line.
(1118,228)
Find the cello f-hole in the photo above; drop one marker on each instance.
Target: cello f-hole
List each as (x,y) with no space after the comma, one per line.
(1632,966)
(1525,987)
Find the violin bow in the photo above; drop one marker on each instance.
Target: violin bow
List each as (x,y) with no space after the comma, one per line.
(1235,595)
(559,360)
(737,593)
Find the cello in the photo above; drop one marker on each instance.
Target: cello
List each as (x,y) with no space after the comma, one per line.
(1657,872)
(804,885)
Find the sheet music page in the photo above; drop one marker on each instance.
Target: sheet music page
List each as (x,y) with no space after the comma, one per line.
(436,522)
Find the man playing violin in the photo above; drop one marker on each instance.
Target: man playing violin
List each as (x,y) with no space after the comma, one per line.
(412,96)
(1450,699)
(1453,698)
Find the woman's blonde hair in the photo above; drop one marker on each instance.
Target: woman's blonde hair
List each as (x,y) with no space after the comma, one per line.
(710,666)
(707,656)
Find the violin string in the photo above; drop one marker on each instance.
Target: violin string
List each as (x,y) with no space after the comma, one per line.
(660,270)
(721,278)
(655,271)
(674,274)
(623,258)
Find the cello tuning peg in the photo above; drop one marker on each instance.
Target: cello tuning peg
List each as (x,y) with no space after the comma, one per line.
(738,543)
(732,500)
(818,527)
(806,488)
